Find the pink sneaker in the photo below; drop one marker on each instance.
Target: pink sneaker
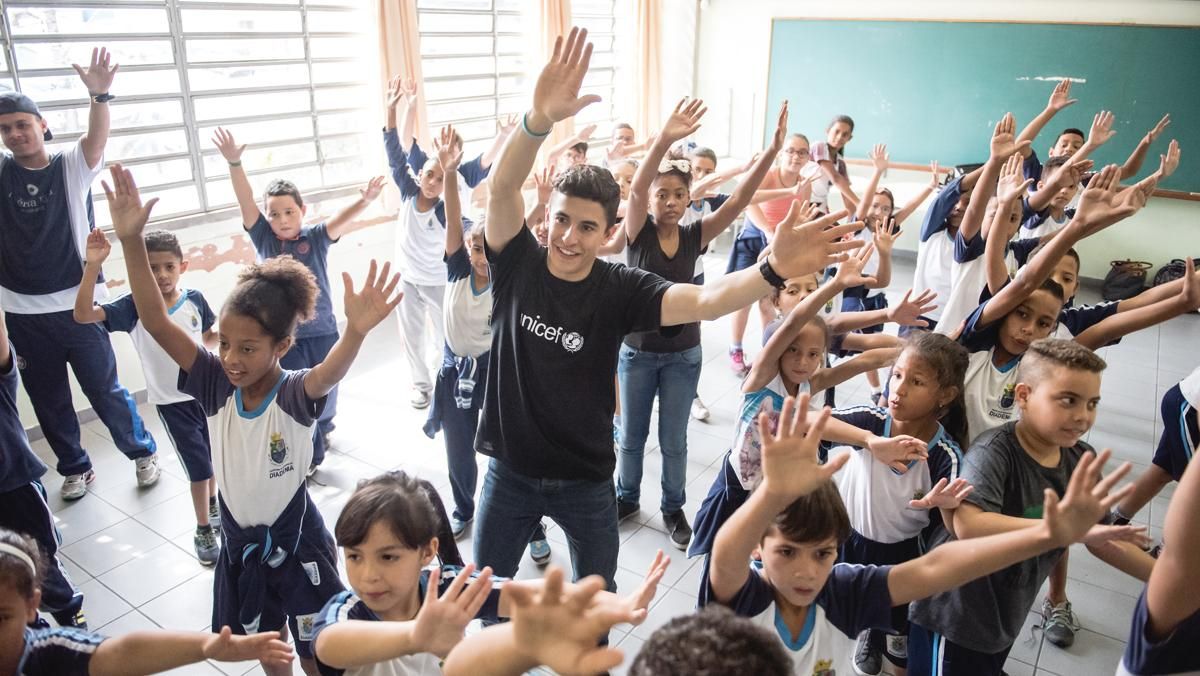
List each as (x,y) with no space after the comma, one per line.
(737,362)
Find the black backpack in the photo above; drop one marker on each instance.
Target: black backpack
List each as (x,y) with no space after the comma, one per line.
(1172,271)
(1125,279)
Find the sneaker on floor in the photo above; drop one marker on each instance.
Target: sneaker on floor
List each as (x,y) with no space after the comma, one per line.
(678,529)
(1059,623)
(868,653)
(420,399)
(147,470)
(214,514)
(76,619)
(737,362)
(699,410)
(626,510)
(208,549)
(458,527)
(75,486)
(539,551)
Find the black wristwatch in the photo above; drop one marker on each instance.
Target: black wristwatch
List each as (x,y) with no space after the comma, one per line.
(102,98)
(770,275)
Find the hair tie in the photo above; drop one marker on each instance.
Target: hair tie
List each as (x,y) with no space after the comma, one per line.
(682,166)
(6,548)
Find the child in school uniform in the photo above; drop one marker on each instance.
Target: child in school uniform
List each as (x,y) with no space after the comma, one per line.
(828,168)
(1012,468)
(278,562)
(181,415)
(279,230)
(23,507)
(28,649)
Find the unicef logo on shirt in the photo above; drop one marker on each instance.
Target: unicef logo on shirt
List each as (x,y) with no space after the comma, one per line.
(572,341)
(32,189)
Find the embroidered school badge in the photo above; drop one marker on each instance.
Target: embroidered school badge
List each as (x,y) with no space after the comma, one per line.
(824,668)
(1006,399)
(303,248)
(278,448)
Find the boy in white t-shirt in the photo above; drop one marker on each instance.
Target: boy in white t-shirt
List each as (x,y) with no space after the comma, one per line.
(181,415)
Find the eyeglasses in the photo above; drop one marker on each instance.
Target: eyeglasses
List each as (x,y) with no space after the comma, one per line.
(793,151)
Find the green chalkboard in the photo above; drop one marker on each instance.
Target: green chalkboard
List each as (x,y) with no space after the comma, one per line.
(933,90)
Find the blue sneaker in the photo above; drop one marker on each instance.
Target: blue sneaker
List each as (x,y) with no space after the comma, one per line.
(539,551)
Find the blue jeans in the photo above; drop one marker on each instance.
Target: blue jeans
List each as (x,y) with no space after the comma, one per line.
(673,376)
(512,505)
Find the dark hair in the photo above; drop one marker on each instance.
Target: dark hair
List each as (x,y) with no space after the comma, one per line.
(818,516)
(279,293)
(1071,253)
(1047,353)
(1055,162)
(622,125)
(411,508)
(162,241)
(841,118)
(672,170)
(581,147)
(1054,288)
(949,361)
(14,572)
(1071,130)
(705,153)
(592,183)
(890,196)
(280,187)
(777,293)
(711,642)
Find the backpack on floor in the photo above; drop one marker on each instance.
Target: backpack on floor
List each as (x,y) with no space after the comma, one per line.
(1171,271)
(1125,279)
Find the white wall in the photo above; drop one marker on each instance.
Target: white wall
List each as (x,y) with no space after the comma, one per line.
(731,76)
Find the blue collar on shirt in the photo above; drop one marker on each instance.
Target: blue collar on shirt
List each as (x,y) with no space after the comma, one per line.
(183,296)
(1005,368)
(250,415)
(785,634)
(471,281)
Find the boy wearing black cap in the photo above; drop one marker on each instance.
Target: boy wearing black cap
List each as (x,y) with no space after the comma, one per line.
(45,217)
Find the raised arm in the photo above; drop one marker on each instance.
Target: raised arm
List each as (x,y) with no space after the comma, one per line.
(1125,323)
(683,122)
(879,160)
(1098,134)
(364,310)
(1005,221)
(232,152)
(129,220)
(340,224)
(543,183)
(1134,163)
(402,94)
(705,186)
(448,157)
(718,221)
(1060,98)
(907,313)
(555,98)
(875,358)
(1002,146)
(556,151)
(1066,175)
(154,651)
(98,79)
(504,128)
(1168,601)
(98,248)
(885,237)
(919,199)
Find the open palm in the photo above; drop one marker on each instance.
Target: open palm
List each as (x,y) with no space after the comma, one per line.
(791,467)
(366,308)
(556,95)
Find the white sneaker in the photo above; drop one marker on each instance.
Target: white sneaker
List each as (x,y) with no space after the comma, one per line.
(420,399)
(75,486)
(147,470)
(699,410)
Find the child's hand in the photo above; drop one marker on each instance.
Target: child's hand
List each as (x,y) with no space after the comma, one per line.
(789,456)
(879,157)
(556,94)
(896,452)
(944,495)
(850,273)
(129,216)
(1086,501)
(395,92)
(935,178)
(803,191)
(637,603)
(98,247)
(441,621)
(559,628)
(366,308)
(1102,129)
(229,148)
(1152,135)
(800,248)
(506,125)
(684,120)
(1167,164)
(780,129)
(1101,204)
(1189,294)
(910,310)
(449,154)
(1103,535)
(1011,186)
(374,187)
(616,151)
(544,182)
(1068,174)
(1004,139)
(266,647)
(1061,96)
(885,237)
(586,132)
(99,76)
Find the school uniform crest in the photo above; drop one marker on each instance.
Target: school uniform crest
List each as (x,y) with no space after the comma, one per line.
(303,248)
(1006,400)
(278,448)
(824,668)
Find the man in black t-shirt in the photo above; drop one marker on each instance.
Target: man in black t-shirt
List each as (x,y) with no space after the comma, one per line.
(558,319)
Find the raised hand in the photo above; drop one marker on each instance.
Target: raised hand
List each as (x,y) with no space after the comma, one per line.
(1086,500)
(803,190)
(506,125)
(1011,185)
(781,126)
(544,182)
(556,94)
(1004,139)
(559,628)
(129,216)
(910,310)
(1189,295)
(885,237)
(790,465)
(449,153)
(373,188)
(98,247)
(898,451)
(1102,129)
(440,622)
(395,91)
(99,75)
(366,308)
(1152,135)
(1102,535)
(637,603)
(1168,163)
(266,647)
(801,248)
(230,150)
(684,120)
(1096,203)
(850,273)
(1061,96)
(879,157)
(935,178)
(944,495)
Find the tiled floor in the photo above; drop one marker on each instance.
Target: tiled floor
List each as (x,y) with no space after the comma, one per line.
(130,550)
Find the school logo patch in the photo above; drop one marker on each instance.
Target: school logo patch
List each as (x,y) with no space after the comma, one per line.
(824,668)
(303,248)
(1006,399)
(304,626)
(278,448)
(572,341)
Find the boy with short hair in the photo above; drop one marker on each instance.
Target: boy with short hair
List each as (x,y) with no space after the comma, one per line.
(279,230)
(181,415)
(969,629)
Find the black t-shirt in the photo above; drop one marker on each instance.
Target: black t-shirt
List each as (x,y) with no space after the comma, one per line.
(549,401)
(646,253)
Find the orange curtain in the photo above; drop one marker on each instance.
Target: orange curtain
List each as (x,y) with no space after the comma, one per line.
(400,53)
(554,19)
(647,69)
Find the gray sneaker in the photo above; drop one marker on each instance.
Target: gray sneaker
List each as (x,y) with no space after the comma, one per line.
(868,653)
(214,514)
(208,549)
(147,470)
(1059,623)
(75,486)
